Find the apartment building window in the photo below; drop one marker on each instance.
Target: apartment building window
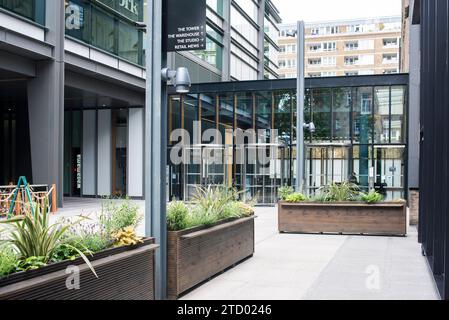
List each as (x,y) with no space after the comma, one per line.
(315,61)
(315,31)
(282,49)
(291,48)
(390,58)
(390,71)
(328,74)
(329,46)
(351,60)
(315,47)
(314,75)
(332,30)
(391,43)
(351,45)
(351,73)
(329,61)
(354,28)
(281,63)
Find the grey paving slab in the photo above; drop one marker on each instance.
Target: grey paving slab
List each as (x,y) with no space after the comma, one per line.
(312,267)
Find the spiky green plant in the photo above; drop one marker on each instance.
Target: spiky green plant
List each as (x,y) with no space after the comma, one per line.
(33,236)
(212,201)
(340,192)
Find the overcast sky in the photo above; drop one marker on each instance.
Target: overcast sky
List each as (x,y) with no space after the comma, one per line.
(321,10)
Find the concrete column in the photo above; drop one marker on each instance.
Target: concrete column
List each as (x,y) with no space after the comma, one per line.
(226,74)
(46,107)
(261,40)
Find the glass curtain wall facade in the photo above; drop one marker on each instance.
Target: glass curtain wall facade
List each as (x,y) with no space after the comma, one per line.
(241,43)
(109,25)
(361,136)
(33,10)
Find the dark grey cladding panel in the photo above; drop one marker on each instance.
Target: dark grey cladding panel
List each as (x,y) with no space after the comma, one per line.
(282,84)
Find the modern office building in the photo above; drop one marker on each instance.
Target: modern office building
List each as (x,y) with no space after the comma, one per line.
(361,135)
(241,43)
(72,85)
(343,48)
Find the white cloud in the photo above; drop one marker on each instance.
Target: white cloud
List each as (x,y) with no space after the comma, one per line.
(322,10)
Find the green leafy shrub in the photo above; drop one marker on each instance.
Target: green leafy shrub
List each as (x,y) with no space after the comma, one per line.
(209,206)
(31,263)
(8,261)
(115,217)
(284,192)
(340,192)
(296,198)
(177,216)
(372,197)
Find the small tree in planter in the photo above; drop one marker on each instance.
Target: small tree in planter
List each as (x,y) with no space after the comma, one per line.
(342,208)
(37,254)
(205,238)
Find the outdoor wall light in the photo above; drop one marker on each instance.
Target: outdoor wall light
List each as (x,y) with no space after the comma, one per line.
(179,78)
(310,126)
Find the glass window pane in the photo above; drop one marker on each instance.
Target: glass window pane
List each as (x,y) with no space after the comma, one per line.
(263,110)
(382,115)
(342,103)
(362,116)
(226,116)
(244,110)
(191,114)
(103,30)
(361,164)
(283,116)
(398,101)
(321,113)
(129,43)
(174,116)
(30,9)
(208,112)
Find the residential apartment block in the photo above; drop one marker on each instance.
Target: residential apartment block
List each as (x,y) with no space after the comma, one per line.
(343,48)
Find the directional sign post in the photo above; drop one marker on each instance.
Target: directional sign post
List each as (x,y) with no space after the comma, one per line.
(185,25)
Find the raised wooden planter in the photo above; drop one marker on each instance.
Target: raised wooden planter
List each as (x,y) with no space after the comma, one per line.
(197,254)
(385,218)
(125,273)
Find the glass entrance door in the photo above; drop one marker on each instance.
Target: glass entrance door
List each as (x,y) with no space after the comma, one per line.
(326,164)
(389,171)
(206,165)
(264,172)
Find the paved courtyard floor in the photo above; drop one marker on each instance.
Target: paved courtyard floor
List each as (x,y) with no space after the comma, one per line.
(314,267)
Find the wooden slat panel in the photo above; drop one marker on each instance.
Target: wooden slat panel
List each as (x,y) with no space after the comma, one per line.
(196,257)
(128,275)
(353,218)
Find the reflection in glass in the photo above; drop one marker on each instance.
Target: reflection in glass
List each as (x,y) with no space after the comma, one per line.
(244,110)
(341,114)
(382,115)
(362,113)
(398,101)
(283,115)
(321,111)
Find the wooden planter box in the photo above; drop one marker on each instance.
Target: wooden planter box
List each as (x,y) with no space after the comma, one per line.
(195,255)
(125,273)
(385,218)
